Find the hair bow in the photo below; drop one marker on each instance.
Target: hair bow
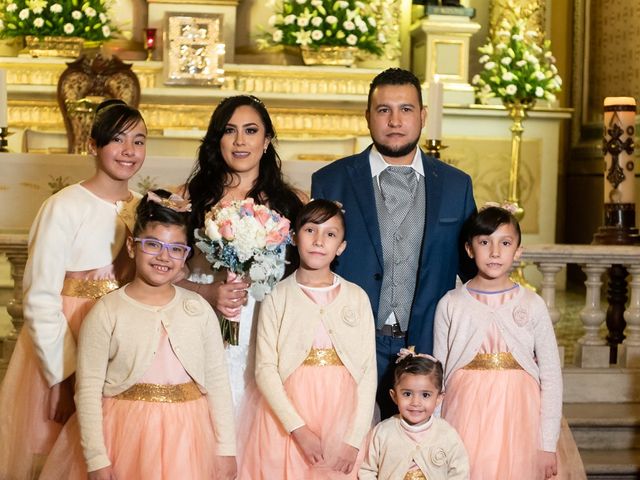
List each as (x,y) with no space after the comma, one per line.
(508,206)
(411,352)
(175,202)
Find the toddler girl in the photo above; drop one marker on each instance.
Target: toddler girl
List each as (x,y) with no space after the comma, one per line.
(501,364)
(154,352)
(76,254)
(415,445)
(315,363)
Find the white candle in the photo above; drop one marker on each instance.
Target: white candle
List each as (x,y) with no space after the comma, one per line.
(3,99)
(619,180)
(434,110)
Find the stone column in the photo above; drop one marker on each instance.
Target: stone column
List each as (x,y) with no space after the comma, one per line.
(15,248)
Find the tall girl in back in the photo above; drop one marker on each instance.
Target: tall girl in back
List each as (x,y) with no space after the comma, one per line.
(76,255)
(501,363)
(154,352)
(315,364)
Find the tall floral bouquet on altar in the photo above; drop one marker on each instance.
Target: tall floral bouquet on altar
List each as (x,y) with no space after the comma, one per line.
(517,64)
(87,19)
(325,23)
(248,240)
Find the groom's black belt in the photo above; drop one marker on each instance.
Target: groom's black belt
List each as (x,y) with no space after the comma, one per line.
(392,331)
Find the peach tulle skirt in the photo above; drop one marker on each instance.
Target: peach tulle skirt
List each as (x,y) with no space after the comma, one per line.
(496,413)
(26,433)
(325,397)
(143,440)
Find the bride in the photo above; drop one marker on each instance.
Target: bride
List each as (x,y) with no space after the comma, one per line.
(237,160)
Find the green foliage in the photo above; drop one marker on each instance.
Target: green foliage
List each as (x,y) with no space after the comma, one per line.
(315,23)
(68,18)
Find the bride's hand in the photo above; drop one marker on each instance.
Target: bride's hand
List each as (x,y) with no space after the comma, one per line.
(229,297)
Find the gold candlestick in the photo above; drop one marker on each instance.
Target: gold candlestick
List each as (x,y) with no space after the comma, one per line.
(518,112)
(433,147)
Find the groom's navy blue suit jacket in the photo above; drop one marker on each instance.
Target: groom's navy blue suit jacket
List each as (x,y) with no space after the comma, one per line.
(449,202)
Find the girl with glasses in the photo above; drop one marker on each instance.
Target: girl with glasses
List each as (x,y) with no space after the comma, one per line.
(76,254)
(153,393)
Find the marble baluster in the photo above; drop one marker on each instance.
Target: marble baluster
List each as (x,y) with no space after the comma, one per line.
(630,353)
(15,248)
(548,293)
(593,350)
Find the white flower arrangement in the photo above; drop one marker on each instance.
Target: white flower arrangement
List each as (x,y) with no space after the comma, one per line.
(317,23)
(87,19)
(517,64)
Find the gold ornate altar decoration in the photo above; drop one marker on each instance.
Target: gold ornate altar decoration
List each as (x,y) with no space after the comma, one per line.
(534,22)
(83,85)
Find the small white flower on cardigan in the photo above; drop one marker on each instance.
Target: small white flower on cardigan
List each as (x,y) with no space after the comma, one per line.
(349,316)
(192,307)
(438,456)
(520,316)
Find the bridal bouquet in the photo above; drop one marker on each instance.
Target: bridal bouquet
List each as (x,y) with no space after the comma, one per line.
(248,240)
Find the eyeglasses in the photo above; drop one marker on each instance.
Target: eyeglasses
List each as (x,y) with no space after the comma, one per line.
(151,246)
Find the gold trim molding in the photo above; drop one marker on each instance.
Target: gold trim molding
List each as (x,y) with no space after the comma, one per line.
(331,99)
(255,79)
(45,116)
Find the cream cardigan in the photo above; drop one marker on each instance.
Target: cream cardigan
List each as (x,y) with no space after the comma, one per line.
(286,327)
(392,452)
(117,345)
(74,231)
(462,323)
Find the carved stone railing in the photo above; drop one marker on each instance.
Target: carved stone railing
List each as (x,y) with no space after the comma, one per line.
(593,350)
(14,246)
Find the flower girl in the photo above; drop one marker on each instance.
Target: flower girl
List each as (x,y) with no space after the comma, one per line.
(315,364)
(415,445)
(76,254)
(501,364)
(152,387)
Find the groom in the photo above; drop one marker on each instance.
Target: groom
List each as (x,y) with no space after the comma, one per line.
(404,212)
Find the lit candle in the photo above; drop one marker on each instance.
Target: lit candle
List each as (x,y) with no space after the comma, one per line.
(150,34)
(3,99)
(618,145)
(434,110)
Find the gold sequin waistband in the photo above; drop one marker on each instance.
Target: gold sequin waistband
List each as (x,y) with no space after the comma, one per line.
(493,361)
(151,392)
(78,287)
(415,475)
(322,357)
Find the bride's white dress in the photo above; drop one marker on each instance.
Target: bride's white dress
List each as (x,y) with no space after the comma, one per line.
(241,357)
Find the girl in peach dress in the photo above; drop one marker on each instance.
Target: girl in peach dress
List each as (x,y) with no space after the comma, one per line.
(315,365)
(76,255)
(502,372)
(152,387)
